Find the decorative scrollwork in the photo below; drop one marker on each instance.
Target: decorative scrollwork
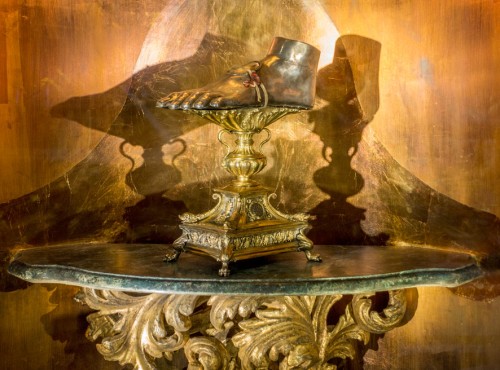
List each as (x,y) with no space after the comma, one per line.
(248,120)
(237,332)
(136,329)
(207,353)
(295,329)
(374,322)
(301,217)
(191,218)
(225,310)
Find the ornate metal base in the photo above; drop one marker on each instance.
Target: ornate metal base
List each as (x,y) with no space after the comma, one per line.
(242,225)
(240,332)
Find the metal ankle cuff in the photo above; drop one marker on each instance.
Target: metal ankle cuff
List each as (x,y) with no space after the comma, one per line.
(295,51)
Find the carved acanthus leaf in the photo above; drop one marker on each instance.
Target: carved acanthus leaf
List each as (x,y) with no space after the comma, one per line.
(226,308)
(372,321)
(207,353)
(233,332)
(340,340)
(140,327)
(283,328)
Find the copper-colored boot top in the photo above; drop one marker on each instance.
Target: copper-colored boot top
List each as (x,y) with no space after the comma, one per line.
(286,77)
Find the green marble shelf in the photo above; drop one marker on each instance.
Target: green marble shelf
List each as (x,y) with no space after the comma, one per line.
(344,270)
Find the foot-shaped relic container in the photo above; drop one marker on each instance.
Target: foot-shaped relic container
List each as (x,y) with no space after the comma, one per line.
(285,77)
(244,102)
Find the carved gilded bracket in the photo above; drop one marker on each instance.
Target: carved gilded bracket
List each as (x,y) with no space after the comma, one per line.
(240,332)
(279,313)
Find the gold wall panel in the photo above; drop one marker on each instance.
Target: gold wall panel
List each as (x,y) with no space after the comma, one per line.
(57,50)
(399,149)
(439,93)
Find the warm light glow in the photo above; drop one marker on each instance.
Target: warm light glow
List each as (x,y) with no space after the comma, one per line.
(171,37)
(324,33)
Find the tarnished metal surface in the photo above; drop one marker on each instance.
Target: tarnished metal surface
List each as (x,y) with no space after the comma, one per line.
(346,270)
(285,77)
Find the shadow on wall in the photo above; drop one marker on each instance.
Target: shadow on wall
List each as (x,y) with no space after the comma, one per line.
(72,208)
(340,124)
(99,200)
(400,207)
(108,196)
(128,204)
(141,123)
(67,324)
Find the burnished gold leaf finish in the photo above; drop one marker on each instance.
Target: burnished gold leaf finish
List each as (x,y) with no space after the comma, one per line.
(137,329)
(244,120)
(237,332)
(243,224)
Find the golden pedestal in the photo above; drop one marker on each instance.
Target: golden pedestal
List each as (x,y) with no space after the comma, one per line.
(243,224)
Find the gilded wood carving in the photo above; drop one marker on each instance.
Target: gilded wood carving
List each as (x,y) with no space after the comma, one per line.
(237,332)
